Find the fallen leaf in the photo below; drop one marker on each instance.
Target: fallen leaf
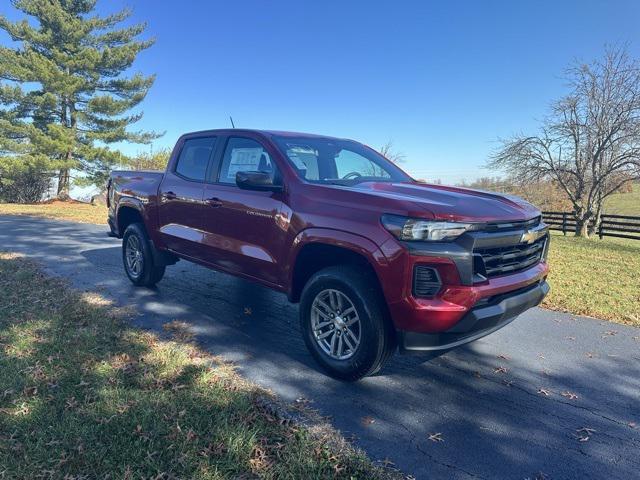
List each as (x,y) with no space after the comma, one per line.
(584,434)
(569,395)
(30,391)
(366,421)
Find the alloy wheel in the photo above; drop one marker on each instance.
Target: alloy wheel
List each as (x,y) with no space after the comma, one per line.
(335,324)
(134,256)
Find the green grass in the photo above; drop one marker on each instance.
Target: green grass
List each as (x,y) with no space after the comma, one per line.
(84,395)
(597,278)
(624,203)
(74,211)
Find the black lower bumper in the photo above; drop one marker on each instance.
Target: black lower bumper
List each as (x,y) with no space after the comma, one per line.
(480,321)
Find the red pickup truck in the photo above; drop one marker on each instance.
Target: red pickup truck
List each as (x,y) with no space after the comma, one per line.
(377,261)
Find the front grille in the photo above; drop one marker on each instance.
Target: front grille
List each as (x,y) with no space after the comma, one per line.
(516,225)
(426,281)
(510,259)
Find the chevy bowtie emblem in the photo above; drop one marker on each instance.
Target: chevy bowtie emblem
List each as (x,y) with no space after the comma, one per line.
(534,234)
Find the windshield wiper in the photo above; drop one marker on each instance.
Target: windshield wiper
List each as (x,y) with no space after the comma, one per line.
(342,183)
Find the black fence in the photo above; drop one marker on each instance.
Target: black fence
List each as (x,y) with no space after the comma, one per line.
(621,226)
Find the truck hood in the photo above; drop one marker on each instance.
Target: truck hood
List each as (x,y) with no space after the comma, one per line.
(449,203)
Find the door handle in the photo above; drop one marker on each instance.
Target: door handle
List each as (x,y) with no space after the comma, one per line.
(169,196)
(214,202)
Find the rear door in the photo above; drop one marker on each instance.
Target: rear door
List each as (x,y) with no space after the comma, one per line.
(245,230)
(180,196)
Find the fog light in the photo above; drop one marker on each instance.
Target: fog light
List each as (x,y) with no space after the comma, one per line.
(426,281)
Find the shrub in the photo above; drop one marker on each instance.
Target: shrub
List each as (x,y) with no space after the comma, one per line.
(27,186)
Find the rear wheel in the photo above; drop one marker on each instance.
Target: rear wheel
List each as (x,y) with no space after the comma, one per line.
(344,323)
(137,257)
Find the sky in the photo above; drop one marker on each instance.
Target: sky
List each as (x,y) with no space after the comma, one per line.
(442,80)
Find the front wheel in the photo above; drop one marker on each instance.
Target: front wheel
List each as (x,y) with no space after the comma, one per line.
(137,257)
(344,323)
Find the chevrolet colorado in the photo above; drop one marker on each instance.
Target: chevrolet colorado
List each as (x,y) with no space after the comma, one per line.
(377,261)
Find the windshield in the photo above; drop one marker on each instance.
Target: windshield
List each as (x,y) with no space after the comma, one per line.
(342,162)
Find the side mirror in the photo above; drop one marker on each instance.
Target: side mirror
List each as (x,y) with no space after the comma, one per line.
(260,181)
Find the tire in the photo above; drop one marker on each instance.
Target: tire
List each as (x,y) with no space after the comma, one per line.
(143,273)
(373,332)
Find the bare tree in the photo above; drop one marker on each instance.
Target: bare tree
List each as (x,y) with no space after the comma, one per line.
(390,153)
(590,143)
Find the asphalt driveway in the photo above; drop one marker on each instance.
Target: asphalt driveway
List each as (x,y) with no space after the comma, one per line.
(549,396)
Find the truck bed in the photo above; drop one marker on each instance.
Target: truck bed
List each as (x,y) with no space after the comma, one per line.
(141,185)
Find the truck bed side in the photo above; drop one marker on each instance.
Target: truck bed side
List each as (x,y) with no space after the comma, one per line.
(132,192)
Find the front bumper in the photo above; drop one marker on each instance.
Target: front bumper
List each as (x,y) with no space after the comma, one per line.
(477,267)
(491,315)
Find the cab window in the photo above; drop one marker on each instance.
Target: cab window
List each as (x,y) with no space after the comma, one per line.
(244,155)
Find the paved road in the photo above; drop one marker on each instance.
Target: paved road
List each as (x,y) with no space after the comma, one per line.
(497,405)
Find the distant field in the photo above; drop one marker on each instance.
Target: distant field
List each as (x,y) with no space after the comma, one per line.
(624,203)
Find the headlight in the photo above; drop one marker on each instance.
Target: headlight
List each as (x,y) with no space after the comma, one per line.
(405,228)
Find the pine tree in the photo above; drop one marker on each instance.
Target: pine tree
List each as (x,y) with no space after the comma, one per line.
(63,96)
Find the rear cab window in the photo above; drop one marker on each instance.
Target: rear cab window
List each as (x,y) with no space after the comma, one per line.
(194,158)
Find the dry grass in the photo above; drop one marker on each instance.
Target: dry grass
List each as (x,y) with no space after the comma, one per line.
(72,210)
(84,395)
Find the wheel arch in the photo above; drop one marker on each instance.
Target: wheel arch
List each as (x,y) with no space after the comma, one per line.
(315,249)
(129,211)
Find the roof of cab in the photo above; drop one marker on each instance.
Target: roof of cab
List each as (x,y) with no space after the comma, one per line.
(278,133)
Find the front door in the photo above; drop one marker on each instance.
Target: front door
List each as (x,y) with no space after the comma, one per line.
(245,230)
(180,197)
